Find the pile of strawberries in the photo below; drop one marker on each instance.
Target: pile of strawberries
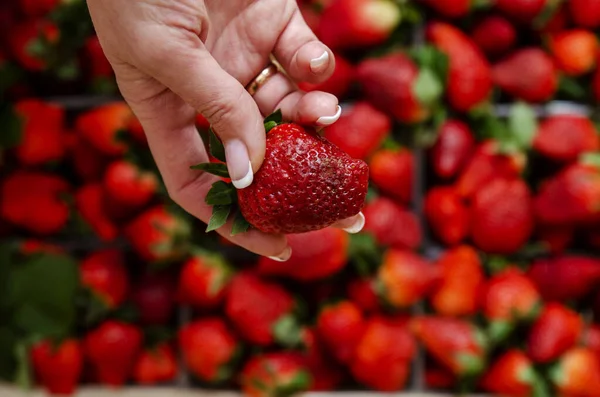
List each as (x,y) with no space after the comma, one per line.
(477,269)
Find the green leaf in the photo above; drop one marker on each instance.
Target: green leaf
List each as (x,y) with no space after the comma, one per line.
(217,150)
(427,88)
(276,116)
(217,169)
(571,88)
(592,159)
(221,193)
(429,57)
(219,217)
(12,125)
(23,376)
(270,125)
(240,224)
(499,330)
(522,124)
(287,331)
(37,48)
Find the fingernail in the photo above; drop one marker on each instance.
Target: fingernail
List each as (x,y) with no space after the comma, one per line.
(284,256)
(328,120)
(318,65)
(238,164)
(357,226)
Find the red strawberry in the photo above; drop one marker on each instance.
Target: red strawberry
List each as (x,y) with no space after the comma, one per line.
(277,373)
(591,339)
(404,278)
(315,255)
(32,247)
(208,347)
(453,148)
(357,23)
(326,375)
(384,354)
(101,126)
(585,13)
(335,185)
(362,293)
(100,70)
(438,377)
(112,349)
(42,135)
(521,10)
(461,278)
(360,130)
(596,85)
(203,280)
(447,214)
(57,367)
(455,343)
(512,374)
(136,130)
(90,202)
(127,186)
(469,77)
(340,327)
(450,8)
(494,35)
(556,330)
(37,8)
(154,297)
(527,74)
(388,83)
(104,273)
(392,172)
(255,306)
(155,365)
(33,201)
(574,51)
(339,82)
(578,373)
(502,216)
(566,137)
(27,42)
(556,239)
(555,21)
(87,162)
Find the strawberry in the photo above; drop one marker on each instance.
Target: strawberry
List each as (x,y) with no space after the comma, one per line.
(275,374)
(389,84)
(494,35)
(404,278)
(469,77)
(596,85)
(392,171)
(87,162)
(450,8)
(565,137)
(574,51)
(90,202)
(208,347)
(255,307)
(340,327)
(521,10)
(154,297)
(362,293)
(37,8)
(101,126)
(203,280)
(339,82)
(591,339)
(448,216)
(438,377)
(136,130)
(461,278)
(556,330)
(357,23)
(28,41)
(528,74)
(502,217)
(384,354)
(577,373)
(112,349)
(33,201)
(127,186)
(585,13)
(42,134)
(360,130)
(315,255)
(104,273)
(454,146)
(155,365)
(512,374)
(325,373)
(99,69)
(455,343)
(556,239)
(57,366)
(33,247)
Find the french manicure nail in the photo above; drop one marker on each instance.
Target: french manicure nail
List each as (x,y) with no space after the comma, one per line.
(284,256)
(238,164)
(328,120)
(318,65)
(357,226)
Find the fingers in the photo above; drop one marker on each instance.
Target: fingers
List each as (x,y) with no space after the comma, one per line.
(351,225)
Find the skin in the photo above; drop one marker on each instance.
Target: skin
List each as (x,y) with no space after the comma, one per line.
(173,58)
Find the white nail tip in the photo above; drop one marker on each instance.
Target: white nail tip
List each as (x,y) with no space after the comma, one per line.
(284,256)
(328,120)
(246,180)
(357,226)
(316,63)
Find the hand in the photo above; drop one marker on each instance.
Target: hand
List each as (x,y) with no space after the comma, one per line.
(173,58)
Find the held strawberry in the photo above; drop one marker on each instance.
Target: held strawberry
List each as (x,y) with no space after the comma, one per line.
(494,35)
(102,125)
(340,326)
(453,148)
(203,280)
(154,297)
(512,374)
(447,214)
(339,82)
(565,137)
(58,367)
(585,13)
(574,51)
(127,186)
(275,374)
(104,273)
(156,365)
(393,171)
(577,373)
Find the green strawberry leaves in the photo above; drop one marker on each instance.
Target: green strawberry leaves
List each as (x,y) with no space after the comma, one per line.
(220,194)
(219,217)
(217,169)
(217,150)
(273,120)
(240,224)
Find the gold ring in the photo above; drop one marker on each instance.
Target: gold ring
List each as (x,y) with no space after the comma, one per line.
(262,78)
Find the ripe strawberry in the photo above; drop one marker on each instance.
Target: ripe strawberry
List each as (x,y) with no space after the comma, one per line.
(555,239)
(90,202)
(57,367)
(100,71)
(565,137)
(391,224)
(556,330)
(87,162)
(135,129)
(203,280)
(127,186)
(461,279)
(521,10)
(255,306)
(42,134)
(404,278)
(101,126)
(360,130)
(315,255)
(384,354)
(389,82)
(33,201)
(451,152)
(340,326)
(27,42)
(512,374)
(104,273)
(494,35)
(392,172)
(502,217)
(362,293)
(208,347)
(450,8)
(591,339)
(276,373)
(585,13)
(357,23)
(448,216)
(578,373)
(37,8)
(155,365)
(528,74)
(438,378)
(154,297)
(339,82)
(574,51)
(455,343)
(469,77)
(325,373)
(112,349)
